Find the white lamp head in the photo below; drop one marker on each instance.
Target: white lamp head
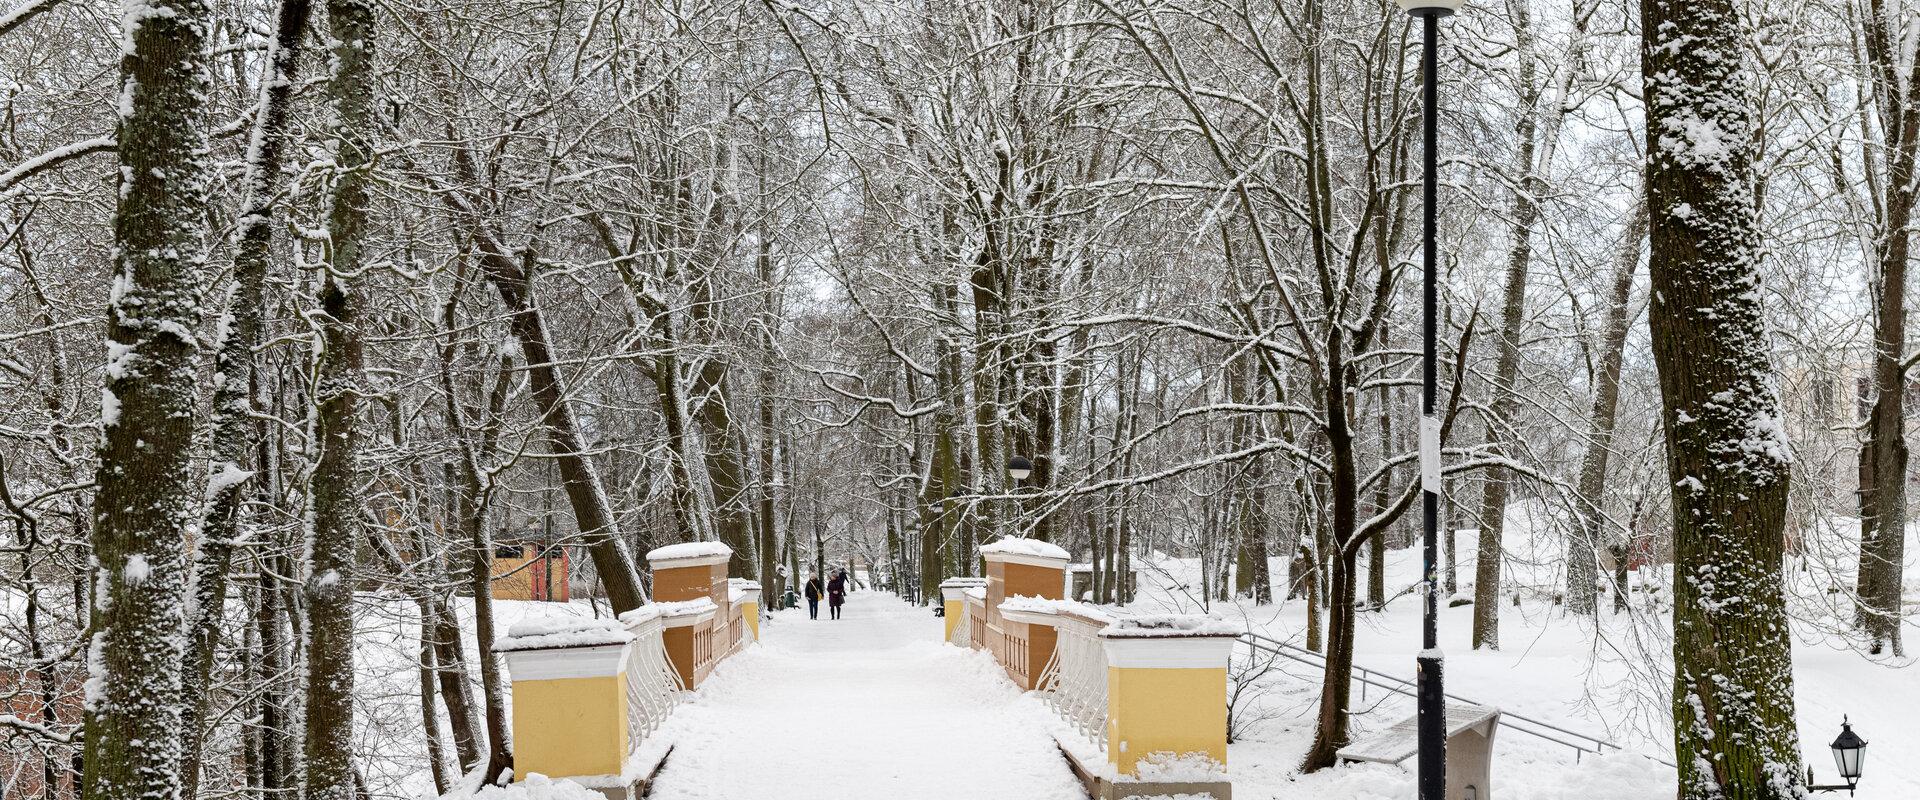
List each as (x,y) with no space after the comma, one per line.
(1019,467)
(1437,8)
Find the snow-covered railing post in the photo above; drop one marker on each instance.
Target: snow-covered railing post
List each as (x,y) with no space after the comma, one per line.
(690,586)
(1167,701)
(953,602)
(569,696)
(1018,567)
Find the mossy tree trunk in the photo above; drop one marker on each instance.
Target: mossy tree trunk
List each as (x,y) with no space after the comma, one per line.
(148,495)
(1727,454)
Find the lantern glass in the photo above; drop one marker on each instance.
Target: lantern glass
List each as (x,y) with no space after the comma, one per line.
(1019,467)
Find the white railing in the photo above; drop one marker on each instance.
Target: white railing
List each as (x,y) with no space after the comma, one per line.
(1075,679)
(653,687)
(962,635)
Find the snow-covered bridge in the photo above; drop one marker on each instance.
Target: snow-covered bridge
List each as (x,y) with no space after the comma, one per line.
(1028,696)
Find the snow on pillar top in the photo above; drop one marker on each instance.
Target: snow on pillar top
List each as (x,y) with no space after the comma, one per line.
(557,647)
(955,589)
(689,554)
(1170,641)
(1021,550)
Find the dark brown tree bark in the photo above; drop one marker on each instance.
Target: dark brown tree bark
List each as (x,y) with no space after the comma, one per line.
(1727,454)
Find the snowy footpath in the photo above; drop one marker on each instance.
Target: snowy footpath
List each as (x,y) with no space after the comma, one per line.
(871,706)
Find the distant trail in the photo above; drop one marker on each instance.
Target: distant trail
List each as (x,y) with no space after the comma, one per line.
(870,707)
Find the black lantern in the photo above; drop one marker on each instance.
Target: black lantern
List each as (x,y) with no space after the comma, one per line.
(1849,750)
(1019,467)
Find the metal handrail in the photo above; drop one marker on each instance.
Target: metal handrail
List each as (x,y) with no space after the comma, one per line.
(1405,687)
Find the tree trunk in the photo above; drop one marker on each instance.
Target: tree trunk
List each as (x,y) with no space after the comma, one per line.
(1884,502)
(429,714)
(1584,546)
(147,495)
(1727,455)
(236,433)
(1506,402)
(335,484)
(578,474)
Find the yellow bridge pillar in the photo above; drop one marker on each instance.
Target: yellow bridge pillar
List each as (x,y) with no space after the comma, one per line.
(746,595)
(953,600)
(569,697)
(1167,702)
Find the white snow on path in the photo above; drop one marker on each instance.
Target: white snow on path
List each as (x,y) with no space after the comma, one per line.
(873,706)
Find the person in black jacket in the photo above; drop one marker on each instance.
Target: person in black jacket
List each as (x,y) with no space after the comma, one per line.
(837,592)
(814,591)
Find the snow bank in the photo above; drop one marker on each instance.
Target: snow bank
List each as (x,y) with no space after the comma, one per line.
(546,632)
(1018,545)
(1173,625)
(1165,767)
(535,787)
(688,550)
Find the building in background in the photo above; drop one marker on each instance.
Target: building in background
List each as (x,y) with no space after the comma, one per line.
(530,571)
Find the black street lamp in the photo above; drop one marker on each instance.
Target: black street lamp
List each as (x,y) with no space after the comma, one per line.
(1019,467)
(1431,696)
(1849,750)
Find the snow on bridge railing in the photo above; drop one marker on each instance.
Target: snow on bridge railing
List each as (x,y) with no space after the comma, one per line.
(591,695)
(1143,697)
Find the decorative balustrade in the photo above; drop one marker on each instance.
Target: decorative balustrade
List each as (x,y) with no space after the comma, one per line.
(590,695)
(1143,697)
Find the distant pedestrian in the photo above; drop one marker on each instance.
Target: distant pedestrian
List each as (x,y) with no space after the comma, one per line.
(837,592)
(814,592)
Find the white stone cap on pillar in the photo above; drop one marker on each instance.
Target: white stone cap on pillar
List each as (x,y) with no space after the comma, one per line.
(1173,641)
(689,554)
(547,664)
(550,647)
(680,614)
(953,589)
(741,590)
(1021,550)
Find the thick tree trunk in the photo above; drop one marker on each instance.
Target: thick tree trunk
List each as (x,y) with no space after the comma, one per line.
(147,497)
(1584,546)
(1727,454)
(236,433)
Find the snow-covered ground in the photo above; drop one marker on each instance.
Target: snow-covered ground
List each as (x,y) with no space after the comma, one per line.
(873,706)
(1551,667)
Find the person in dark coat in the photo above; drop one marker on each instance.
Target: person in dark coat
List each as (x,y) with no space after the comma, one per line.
(837,592)
(814,592)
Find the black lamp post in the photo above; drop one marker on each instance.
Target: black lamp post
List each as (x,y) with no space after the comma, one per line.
(1431,696)
(1849,751)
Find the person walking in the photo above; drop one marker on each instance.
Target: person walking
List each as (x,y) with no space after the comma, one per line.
(813,597)
(837,593)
